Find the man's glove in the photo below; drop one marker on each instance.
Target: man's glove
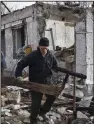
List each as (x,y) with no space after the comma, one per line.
(20,79)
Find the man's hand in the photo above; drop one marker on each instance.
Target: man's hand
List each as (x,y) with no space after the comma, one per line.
(20,79)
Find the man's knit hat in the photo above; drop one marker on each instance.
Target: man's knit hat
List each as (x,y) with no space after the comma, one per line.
(44,42)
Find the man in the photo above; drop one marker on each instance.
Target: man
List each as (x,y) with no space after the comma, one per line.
(41,63)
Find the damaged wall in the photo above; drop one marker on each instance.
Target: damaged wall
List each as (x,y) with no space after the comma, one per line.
(9,49)
(31,17)
(31,39)
(84,48)
(90,45)
(32,34)
(80,47)
(17,15)
(63,35)
(13,20)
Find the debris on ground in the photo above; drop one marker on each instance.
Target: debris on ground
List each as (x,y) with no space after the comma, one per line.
(17,110)
(16,101)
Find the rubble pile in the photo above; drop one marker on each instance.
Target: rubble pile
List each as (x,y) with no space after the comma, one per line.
(12,107)
(66,60)
(65,57)
(16,102)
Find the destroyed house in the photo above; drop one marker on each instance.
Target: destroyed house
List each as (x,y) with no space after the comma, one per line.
(65,26)
(70,30)
(26,26)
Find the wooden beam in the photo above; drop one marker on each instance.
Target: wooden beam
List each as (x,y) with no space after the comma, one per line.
(43,88)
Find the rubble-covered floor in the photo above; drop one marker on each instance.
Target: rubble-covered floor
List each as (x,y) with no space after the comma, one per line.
(16,104)
(16,101)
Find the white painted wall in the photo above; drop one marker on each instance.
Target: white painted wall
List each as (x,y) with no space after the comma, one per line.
(80,47)
(84,47)
(9,49)
(63,35)
(89,46)
(32,34)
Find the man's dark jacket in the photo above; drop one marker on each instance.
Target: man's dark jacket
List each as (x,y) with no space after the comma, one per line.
(40,68)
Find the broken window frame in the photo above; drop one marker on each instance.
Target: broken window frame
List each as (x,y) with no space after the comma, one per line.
(4,51)
(15,28)
(51,33)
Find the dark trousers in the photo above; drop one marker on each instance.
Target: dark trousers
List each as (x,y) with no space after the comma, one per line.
(36,107)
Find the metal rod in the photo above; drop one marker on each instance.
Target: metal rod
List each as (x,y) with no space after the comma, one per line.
(74,87)
(93,49)
(74,100)
(79,75)
(93,53)
(5,6)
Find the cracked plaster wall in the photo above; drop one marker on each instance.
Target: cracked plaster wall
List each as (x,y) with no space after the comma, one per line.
(84,47)
(30,14)
(84,42)
(89,46)
(63,36)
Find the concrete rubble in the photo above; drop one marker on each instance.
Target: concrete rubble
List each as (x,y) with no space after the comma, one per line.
(16,101)
(16,110)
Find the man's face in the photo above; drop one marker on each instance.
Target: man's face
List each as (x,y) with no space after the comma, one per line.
(43,49)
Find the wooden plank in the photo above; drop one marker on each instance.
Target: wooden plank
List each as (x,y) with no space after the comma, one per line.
(43,88)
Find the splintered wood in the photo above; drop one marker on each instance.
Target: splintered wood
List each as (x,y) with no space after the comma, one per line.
(49,89)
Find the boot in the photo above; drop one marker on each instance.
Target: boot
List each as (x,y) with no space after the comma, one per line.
(44,117)
(33,121)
